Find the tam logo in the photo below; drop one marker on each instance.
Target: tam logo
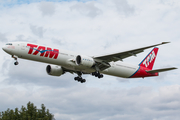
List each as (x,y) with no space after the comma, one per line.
(45,51)
(149,59)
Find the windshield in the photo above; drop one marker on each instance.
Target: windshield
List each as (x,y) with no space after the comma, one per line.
(9,44)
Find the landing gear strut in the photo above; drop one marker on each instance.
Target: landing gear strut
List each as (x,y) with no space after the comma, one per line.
(79,78)
(15,58)
(97,74)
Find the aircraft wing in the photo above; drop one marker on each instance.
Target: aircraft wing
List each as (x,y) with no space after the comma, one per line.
(125,54)
(103,61)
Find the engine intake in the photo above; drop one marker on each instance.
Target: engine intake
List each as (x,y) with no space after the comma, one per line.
(85,61)
(78,60)
(54,70)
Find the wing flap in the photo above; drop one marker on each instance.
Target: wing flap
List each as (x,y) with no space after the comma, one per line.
(160,70)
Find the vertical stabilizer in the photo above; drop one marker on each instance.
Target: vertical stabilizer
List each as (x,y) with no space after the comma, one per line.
(149,60)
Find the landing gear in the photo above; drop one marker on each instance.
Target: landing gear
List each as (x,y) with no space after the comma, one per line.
(97,74)
(16,63)
(15,58)
(79,78)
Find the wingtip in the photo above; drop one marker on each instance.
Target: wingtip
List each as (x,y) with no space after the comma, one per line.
(165,42)
(173,68)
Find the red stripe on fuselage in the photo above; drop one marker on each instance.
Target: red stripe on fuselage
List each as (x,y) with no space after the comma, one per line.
(142,73)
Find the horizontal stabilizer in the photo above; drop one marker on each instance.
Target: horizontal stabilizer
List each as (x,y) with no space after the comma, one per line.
(161,70)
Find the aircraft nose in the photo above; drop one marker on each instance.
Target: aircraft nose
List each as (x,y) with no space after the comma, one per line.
(4,48)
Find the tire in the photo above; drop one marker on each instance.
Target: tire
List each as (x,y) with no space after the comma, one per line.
(83,80)
(101,76)
(96,74)
(93,74)
(16,63)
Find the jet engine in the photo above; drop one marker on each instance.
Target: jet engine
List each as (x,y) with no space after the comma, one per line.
(54,70)
(85,61)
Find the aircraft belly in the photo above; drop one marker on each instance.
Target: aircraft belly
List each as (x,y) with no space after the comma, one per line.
(121,70)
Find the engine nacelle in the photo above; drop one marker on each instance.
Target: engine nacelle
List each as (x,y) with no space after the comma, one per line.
(85,61)
(54,70)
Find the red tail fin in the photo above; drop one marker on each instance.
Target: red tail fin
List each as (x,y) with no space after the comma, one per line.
(149,60)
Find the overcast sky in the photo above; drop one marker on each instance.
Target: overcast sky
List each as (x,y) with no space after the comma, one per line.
(92,27)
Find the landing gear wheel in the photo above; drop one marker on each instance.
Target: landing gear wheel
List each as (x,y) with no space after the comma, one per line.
(93,74)
(100,76)
(16,63)
(79,79)
(97,74)
(83,80)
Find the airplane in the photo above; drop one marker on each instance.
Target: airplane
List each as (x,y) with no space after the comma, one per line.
(62,61)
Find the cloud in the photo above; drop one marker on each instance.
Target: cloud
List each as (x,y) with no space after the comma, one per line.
(38,31)
(93,28)
(122,80)
(3,37)
(89,9)
(138,103)
(123,7)
(47,8)
(33,73)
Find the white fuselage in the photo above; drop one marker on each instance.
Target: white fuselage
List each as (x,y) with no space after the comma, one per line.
(67,60)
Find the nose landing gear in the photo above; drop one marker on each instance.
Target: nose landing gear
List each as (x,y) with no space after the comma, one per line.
(16,63)
(15,58)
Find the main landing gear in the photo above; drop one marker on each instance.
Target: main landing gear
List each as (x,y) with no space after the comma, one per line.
(97,74)
(15,58)
(79,78)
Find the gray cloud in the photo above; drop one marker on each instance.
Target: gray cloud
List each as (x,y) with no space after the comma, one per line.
(24,38)
(123,7)
(47,8)
(3,37)
(20,38)
(38,31)
(89,9)
(110,98)
(123,80)
(167,2)
(80,102)
(57,41)
(33,73)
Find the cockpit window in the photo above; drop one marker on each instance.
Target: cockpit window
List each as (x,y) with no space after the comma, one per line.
(9,44)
